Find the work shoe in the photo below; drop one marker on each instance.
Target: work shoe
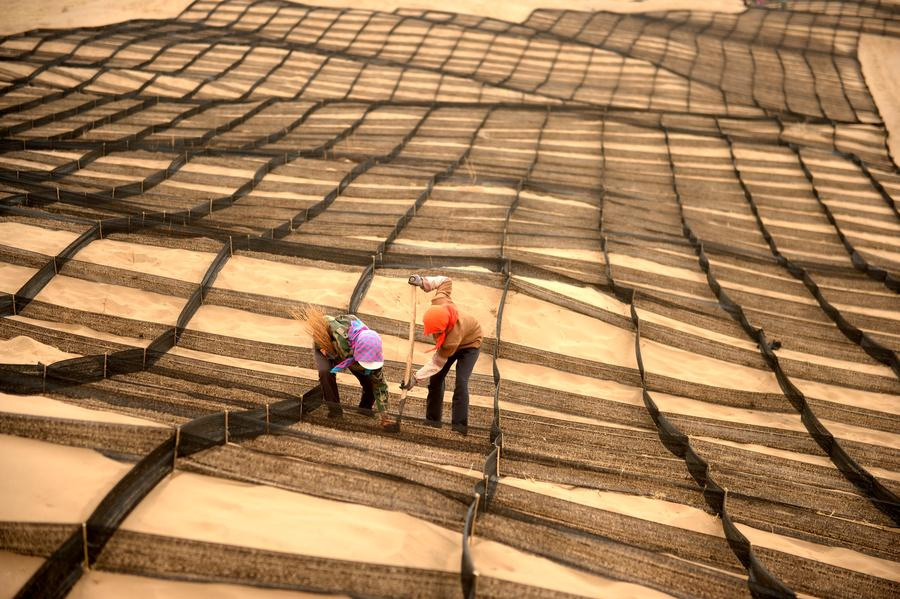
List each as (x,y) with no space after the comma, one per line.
(389,424)
(462,429)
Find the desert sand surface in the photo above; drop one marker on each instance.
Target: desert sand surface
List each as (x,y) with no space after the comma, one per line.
(880,59)
(514,408)
(13,276)
(82,331)
(259,516)
(788,421)
(174,263)
(35,239)
(664,359)
(648,316)
(550,378)
(80,13)
(289,281)
(574,335)
(15,570)
(589,150)
(75,13)
(793,456)
(688,518)
(881,402)
(105,585)
(247,325)
(25,350)
(587,295)
(114,300)
(38,405)
(35,471)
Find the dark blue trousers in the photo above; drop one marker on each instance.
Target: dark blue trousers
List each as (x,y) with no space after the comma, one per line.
(465,362)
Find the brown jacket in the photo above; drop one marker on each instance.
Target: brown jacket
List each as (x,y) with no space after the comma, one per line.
(466,333)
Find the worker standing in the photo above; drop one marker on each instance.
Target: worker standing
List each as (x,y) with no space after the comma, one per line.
(457,339)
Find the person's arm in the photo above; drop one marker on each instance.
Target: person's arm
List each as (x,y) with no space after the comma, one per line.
(442,287)
(431,368)
(441,284)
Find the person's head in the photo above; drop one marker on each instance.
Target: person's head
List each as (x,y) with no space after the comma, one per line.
(367,349)
(438,321)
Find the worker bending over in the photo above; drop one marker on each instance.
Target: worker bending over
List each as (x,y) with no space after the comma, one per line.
(345,342)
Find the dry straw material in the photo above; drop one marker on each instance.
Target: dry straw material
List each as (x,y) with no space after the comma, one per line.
(313,320)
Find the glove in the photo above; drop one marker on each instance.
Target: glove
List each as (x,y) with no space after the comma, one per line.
(415,280)
(335,370)
(407,386)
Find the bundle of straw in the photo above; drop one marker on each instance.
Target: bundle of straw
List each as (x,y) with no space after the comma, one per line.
(313,319)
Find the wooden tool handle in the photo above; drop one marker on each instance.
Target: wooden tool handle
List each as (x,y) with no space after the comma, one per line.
(412,332)
(412,349)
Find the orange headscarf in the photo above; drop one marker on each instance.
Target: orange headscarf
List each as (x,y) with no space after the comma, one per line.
(440,319)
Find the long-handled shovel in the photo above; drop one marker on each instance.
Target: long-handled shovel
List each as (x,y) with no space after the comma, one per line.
(395,427)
